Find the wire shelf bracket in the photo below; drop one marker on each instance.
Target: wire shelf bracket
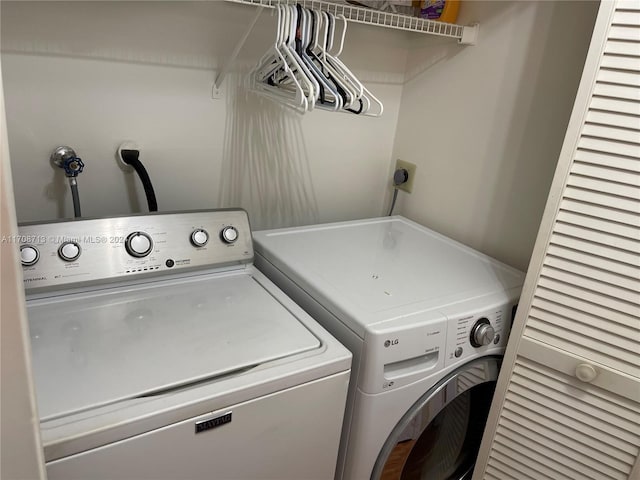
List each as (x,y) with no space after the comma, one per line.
(216,92)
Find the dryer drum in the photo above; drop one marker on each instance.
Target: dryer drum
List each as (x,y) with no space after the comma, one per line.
(439,437)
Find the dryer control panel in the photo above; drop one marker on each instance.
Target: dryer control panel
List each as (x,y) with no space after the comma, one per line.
(89,251)
(477,332)
(424,344)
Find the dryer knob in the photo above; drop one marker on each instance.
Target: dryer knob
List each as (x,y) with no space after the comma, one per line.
(482,333)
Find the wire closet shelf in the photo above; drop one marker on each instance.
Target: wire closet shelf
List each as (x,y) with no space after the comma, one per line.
(464,34)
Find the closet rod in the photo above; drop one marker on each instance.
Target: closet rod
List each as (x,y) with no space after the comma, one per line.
(466,35)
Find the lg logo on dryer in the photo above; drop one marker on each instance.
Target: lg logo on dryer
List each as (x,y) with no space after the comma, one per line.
(388,343)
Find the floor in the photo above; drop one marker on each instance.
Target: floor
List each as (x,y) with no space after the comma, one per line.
(393,468)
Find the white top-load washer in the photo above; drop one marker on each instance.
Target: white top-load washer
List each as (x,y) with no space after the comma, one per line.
(427,320)
(160,352)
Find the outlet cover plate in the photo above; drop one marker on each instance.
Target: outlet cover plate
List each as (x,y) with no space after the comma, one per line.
(409,167)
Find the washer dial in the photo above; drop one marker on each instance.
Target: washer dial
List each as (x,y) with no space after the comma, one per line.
(199,237)
(229,234)
(138,244)
(69,251)
(482,333)
(29,255)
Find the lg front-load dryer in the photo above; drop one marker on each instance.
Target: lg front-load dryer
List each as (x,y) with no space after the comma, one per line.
(427,320)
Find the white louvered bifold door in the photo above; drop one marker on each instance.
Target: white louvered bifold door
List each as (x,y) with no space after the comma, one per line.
(568,400)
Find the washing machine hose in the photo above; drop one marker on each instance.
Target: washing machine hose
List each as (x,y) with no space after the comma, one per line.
(75,196)
(73,166)
(131,157)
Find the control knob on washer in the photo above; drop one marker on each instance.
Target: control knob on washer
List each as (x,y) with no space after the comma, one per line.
(229,234)
(69,251)
(138,244)
(199,237)
(29,255)
(482,333)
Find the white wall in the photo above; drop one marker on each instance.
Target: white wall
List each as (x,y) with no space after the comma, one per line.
(20,448)
(92,74)
(484,124)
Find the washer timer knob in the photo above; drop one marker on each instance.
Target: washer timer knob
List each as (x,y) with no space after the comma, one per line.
(29,255)
(199,237)
(138,244)
(229,234)
(482,333)
(69,251)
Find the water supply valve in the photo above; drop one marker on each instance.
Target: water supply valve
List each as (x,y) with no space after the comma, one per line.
(73,166)
(66,158)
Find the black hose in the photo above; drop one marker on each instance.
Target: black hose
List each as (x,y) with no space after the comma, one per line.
(393,202)
(76,198)
(130,157)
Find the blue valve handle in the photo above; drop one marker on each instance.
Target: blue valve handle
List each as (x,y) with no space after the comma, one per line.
(73,166)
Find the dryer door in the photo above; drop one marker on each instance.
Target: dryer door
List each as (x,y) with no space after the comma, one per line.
(439,437)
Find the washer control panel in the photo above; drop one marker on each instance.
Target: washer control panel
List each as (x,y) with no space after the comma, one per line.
(69,253)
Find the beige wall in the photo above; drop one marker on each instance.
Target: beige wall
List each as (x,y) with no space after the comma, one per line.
(93,74)
(485,124)
(20,450)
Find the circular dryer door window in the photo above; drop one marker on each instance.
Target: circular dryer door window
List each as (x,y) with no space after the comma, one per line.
(439,437)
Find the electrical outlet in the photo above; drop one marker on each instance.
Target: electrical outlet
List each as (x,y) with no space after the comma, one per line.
(409,167)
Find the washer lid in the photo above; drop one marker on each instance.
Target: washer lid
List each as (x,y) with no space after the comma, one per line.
(94,349)
(377,270)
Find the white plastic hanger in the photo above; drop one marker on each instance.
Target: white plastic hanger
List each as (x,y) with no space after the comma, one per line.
(272,61)
(366,97)
(342,36)
(302,69)
(329,96)
(276,75)
(337,69)
(301,66)
(318,52)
